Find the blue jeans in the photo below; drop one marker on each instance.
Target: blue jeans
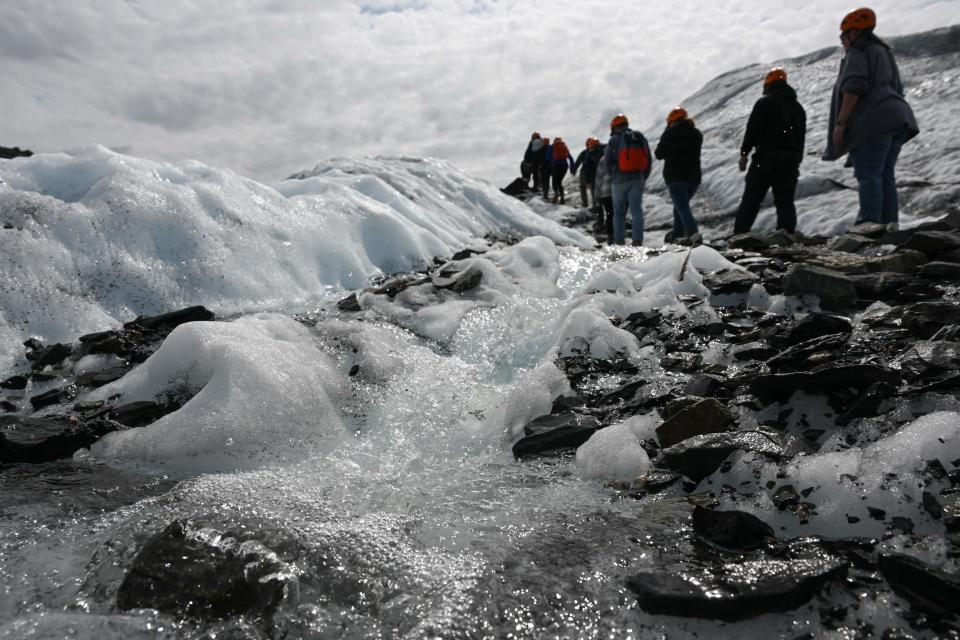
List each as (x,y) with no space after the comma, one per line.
(874,163)
(625,193)
(683,223)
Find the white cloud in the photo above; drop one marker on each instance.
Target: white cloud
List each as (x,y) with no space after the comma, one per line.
(267,87)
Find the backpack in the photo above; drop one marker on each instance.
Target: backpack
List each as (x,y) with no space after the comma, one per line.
(634,156)
(560,151)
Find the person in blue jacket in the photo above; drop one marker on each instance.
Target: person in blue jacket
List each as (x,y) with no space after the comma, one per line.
(586,164)
(560,159)
(628,161)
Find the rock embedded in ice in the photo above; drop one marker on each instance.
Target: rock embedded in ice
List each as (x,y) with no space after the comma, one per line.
(33,440)
(700,417)
(925,586)
(555,433)
(731,529)
(699,456)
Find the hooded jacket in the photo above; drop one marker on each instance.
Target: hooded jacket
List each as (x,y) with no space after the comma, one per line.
(612,153)
(777,124)
(679,148)
(869,70)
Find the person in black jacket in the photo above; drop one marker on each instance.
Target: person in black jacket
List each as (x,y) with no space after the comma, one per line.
(679,148)
(529,167)
(586,163)
(776,129)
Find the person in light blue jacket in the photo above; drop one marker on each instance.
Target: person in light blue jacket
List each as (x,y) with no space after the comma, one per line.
(628,161)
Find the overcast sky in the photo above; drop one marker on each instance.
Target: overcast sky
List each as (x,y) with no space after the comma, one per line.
(268,87)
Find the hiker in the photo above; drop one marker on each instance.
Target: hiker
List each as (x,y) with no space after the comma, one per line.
(586,163)
(776,130)
(603,191)
(544,167)
(628,163)
(869,117)
(529,163)
(560,159)
(679,148)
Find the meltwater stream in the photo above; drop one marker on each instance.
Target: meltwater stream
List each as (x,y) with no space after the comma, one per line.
(411,495)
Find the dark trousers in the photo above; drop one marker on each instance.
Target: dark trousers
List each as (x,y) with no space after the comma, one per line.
(558,173)
(607,203)
(780,174)
(526,171)
(545,179)
(585,188)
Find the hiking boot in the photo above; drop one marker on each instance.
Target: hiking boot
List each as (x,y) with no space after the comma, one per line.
(892,226)
(696,239)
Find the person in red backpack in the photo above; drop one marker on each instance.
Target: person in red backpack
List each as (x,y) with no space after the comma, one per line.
(560,160)
(628,161)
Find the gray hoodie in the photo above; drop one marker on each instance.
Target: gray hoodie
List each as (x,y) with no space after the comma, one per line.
(869,70)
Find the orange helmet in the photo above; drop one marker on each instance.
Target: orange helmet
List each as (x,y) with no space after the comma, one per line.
(619,120)
(777,73)
(863,18)
(592,142)
(677,114)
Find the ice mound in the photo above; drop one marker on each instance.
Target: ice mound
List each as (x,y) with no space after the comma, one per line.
(261,390)
(614,453)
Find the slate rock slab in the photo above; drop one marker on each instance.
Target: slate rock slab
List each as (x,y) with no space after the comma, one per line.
(699,456)
(808,327)
(780,386)
(926,318)
(697,418)
(925,586)
(835,290)
(735,591)
(34,440)
(191,569)
(458,281)
(167,322)
(940,271)
(730,281)
(550,434)
(731,529)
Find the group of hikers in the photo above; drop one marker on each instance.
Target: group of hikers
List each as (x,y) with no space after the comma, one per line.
(869,120)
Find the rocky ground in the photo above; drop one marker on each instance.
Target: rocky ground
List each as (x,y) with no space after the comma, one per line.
(881,349)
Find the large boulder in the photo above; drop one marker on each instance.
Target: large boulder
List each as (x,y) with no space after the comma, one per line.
(699,417)
(555,433)
(731,529)
(835,290)
(780,386)
(699,456)
(33,440)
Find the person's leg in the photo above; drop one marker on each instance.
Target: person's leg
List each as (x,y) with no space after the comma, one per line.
(619,212)
(784,194)
(635,197)
(890,211)
(584,201)
(868,162)
(607,203)
(545,181)
(525,173)
(558,188)
(754,189)
(683,222)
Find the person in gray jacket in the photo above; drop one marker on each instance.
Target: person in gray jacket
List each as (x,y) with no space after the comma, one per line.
(869,117)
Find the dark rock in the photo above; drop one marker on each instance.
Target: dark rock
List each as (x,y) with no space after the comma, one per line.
(940,271)
(699,456)
(798,357)
(52,397)
(869,230)
(808,327)
(780,386)
(190,569)
(101,377)
(748,242)
(33,440)
(754,353)
(925,586)
(867,404)
(103,342)
(657,480)
(926,318)
(835,290)
(167,322)
(8,406)
(729,281)
(52,355)
(731,529)
(932,243)
(704,385)
(851,242)
(32,344)
(900,261)
(786,496)
(14,152)
(551,434)
(735,591)
(141,413)
(399,284)
(350,303)
(624,393)
(880,286)
(683,362)
(926,358)
(700,417)
(458,281)
(17,382)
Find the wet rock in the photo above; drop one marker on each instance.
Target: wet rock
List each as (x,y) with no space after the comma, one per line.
(851,242)
(704,385)
(17,382)
(786,496)
(349,304)
(699,417)
(52,397)
(49,356)
(458,281)
(869,230)
(799,355)
(105,342)
(780,386)
(167,322)
(940,271)
(191,569)
(8,406)
(735,591)
(928,358)
(657,480)
(932,243)
(808,327)
(101,377)
(730,281)
(835,290)
(552,434)
(141,413)
(925,586)
(926,318)
(748,241)
(753,353)
(683,362)
(867,404)
(900,261)
(395,286)
(731,529)
(699,456)
(882,285)
(33,440)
